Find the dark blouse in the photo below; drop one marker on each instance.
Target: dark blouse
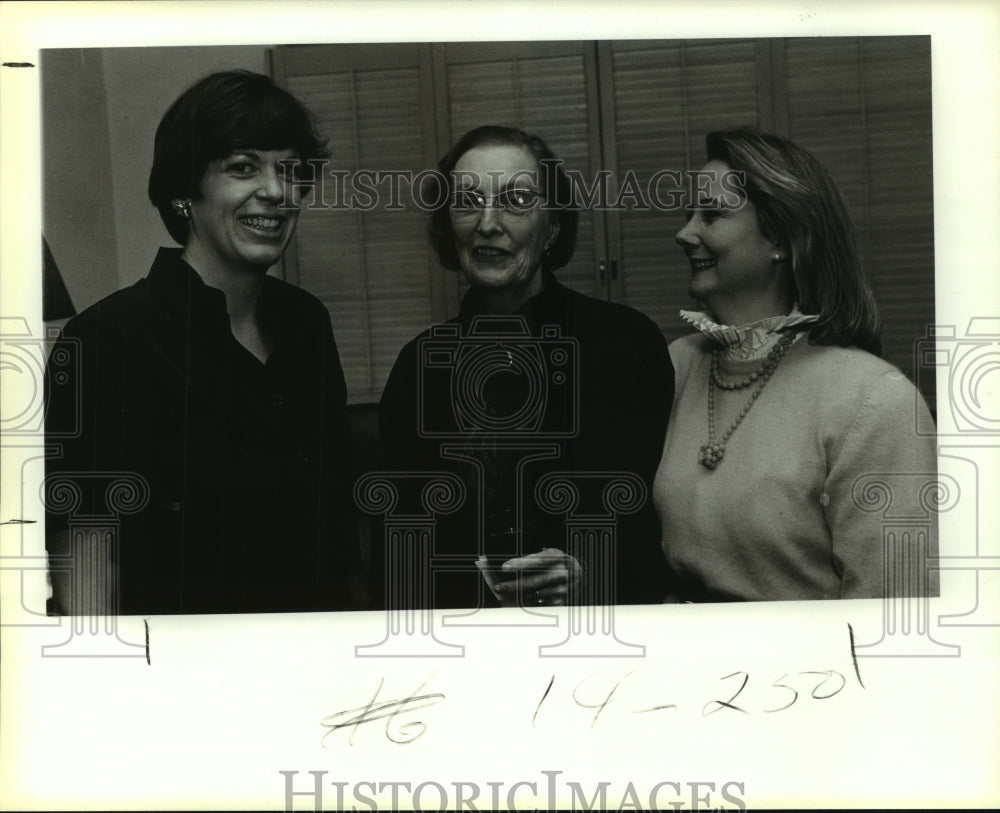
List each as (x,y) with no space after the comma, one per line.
(587,391)
(247,465)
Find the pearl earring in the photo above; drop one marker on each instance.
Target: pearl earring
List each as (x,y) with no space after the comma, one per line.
(182,208)
(778,257)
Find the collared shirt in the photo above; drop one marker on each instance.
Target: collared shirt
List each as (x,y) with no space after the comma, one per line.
(587,391)
(244,467)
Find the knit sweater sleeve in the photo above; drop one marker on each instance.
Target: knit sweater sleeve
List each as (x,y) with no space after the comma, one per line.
(879,474)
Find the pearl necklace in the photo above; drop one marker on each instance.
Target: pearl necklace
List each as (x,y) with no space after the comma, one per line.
(712,451)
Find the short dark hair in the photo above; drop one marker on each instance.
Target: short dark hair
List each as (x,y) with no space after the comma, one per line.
(220,113)
(801,208)
(555,183)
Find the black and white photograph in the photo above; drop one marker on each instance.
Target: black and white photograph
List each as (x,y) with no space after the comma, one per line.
(574,414)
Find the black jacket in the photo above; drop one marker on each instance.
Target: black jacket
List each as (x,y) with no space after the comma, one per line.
(580,387)
(243,468)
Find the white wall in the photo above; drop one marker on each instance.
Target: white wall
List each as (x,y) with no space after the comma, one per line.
(77,206)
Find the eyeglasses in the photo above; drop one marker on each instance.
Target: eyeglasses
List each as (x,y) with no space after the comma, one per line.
(465,202)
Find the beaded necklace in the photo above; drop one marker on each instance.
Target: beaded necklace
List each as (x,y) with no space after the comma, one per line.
(712,451)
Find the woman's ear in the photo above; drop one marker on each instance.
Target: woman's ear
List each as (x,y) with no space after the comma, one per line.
(553,233)
(780,252)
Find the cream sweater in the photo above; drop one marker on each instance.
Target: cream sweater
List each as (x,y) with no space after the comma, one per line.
(777,519)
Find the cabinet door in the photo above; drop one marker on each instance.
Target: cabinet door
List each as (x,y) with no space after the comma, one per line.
(399,107)
(639,109)
(659,99)
(544,88)
(863,106)
(367,259)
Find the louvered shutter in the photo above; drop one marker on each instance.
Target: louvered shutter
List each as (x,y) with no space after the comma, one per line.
(663,98)
(370,268)
(863,106)
(541,88)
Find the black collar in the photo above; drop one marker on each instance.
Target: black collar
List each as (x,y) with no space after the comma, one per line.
(547,307)
(182,292)
(179,289)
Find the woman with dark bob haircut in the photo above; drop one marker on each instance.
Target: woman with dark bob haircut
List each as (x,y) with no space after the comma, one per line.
(783,407)
(532,387)
(214,390)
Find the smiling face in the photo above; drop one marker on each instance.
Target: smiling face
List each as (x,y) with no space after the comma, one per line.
(501,250)
(734,272)
(236,223)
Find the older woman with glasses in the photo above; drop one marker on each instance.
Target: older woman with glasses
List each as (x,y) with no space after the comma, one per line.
(530,381)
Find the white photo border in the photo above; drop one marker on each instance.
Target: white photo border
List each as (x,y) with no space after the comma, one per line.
(214,709)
